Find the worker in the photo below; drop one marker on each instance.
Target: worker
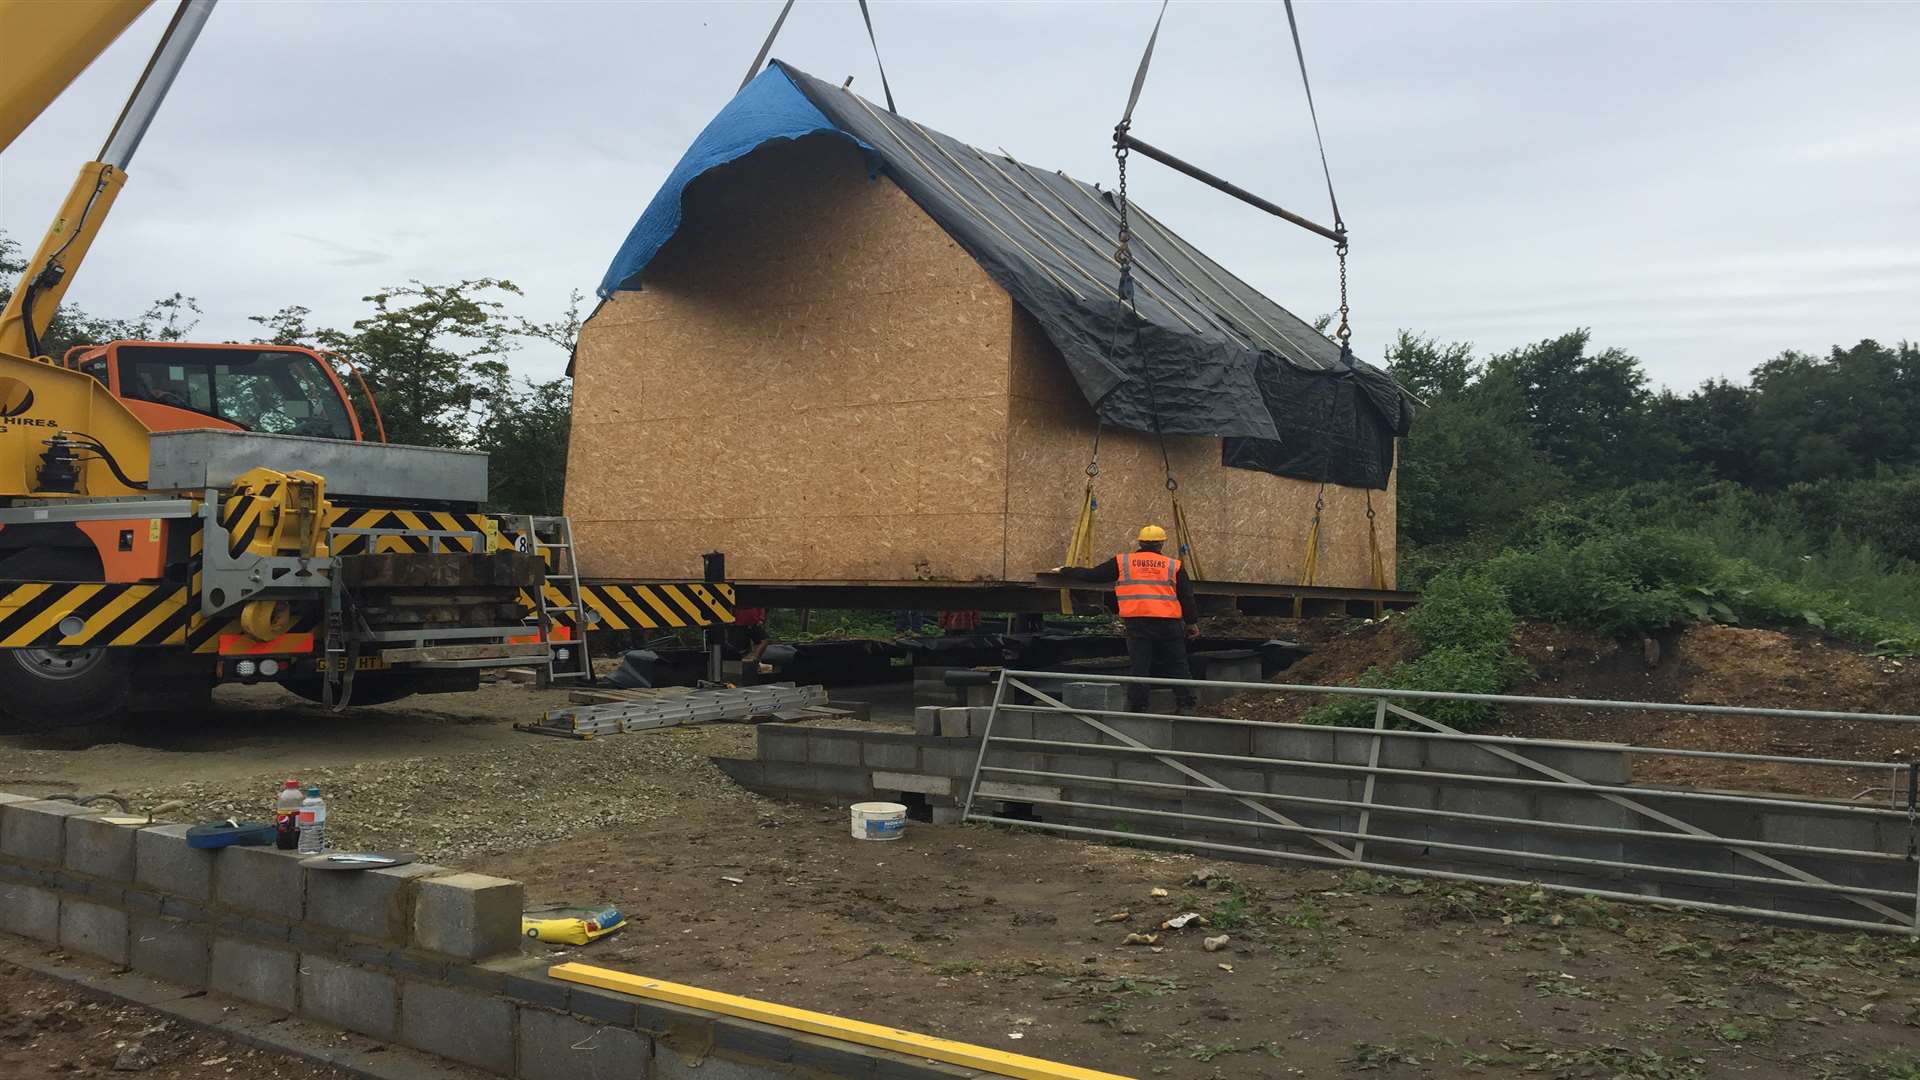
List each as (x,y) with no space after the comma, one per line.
(748,635)
(1157,605)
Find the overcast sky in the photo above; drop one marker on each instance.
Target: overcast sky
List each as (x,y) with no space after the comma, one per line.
(1702,184)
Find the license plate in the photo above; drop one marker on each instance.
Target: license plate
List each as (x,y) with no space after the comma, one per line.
(365,663)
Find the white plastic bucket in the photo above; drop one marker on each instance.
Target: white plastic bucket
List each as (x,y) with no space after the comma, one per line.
(879,820)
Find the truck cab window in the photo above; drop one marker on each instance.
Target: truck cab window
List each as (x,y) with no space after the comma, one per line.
(283,393)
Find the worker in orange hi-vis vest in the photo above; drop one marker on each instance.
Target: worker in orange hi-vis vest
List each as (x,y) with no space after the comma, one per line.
(1157,604)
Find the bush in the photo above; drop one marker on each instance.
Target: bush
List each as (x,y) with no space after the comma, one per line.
(1461,610)
(1447,669)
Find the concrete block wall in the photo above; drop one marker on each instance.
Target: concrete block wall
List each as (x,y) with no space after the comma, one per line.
(425,956)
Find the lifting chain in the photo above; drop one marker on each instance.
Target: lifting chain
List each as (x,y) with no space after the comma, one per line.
(1123,254)
(1343,333)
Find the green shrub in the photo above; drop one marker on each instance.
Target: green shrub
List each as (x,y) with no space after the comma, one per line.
(1448,669)
(1463,610)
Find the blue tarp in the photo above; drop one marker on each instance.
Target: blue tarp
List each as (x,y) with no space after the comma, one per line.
(770,108)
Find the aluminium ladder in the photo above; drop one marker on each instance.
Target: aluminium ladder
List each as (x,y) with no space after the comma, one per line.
(551,538)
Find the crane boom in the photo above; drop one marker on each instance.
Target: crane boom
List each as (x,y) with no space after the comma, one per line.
(49,44)
(82,27)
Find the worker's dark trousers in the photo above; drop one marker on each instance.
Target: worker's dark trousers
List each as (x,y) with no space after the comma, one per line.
(1157,648)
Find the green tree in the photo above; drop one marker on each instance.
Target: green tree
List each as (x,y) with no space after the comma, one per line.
(1469,464)
(433,355)
(1588,412)
(525,437)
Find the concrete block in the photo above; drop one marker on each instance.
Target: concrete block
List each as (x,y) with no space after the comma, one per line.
(169,949)
(1158,734)
(369,903)
(605,1006)
(36,831)
(350,997)
(1080,764)
(977,717)
(475,1029)
(920,782)
(896,756)
(778,742)
(1453,756)
(1603,764)
(1160,699)
(535,987)
(94,929)
(162,860)
(833,748)
(469,916)
(262,974)
(947,815)
(9,797)
(1094,695)
(957,762)
(1293,744)
(30,911)
(1199,736)
(262,879)
(954,723)
(926,720)
(558,1047)
(102,846)
(1063,727)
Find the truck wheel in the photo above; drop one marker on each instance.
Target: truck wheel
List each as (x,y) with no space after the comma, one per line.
(45,689)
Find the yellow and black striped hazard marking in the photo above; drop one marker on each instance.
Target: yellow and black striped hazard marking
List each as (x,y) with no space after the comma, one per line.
(648,606)
(414,522)
(40,614)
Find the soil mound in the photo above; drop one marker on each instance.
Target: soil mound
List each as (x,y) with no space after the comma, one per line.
(1705,664)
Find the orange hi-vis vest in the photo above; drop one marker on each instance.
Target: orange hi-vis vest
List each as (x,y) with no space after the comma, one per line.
(1145,588)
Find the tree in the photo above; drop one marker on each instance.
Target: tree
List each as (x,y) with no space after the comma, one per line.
(1430,370)
(433,355)
(1589,413)
(525,437)
(1469,465)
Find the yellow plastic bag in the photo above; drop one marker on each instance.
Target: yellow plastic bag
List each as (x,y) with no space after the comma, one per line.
(571,925)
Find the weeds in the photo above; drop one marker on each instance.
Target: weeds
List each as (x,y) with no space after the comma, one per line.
(1307,916)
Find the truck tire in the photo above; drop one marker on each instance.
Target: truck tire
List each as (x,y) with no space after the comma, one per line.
(48,689)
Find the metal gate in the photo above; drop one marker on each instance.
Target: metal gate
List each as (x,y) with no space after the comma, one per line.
(1410,795)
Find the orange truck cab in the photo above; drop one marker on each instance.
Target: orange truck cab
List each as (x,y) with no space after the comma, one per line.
(277,389)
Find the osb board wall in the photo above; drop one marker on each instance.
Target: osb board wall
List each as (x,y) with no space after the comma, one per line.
(1247,526)
(813,380)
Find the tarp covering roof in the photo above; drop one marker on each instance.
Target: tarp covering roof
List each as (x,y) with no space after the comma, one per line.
(1209,354)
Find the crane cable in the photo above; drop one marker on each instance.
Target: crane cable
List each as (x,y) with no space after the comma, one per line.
(1343,333)
(780,20)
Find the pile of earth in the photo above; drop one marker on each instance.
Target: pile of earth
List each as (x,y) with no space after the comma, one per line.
(1703,664)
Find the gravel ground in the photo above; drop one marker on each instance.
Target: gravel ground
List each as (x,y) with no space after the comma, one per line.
(451,806)
(443,776)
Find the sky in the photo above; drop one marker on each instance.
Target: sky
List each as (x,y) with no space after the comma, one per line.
(1701,184)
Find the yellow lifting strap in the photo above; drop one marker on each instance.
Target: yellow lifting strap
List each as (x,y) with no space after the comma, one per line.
(1310,565)
(1080,546)
(1377,566)
(1183,539)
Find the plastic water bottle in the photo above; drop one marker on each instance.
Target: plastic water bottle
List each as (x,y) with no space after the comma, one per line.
(286,817)
(313,823)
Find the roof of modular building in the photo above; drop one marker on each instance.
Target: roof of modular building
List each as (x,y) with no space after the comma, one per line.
(1207,355)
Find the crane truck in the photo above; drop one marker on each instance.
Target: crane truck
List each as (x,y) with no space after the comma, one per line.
(177,515)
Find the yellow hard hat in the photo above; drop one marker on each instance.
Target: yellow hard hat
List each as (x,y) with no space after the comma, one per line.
(1152,532)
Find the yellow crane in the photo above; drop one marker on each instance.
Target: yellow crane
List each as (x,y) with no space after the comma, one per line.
(177,515)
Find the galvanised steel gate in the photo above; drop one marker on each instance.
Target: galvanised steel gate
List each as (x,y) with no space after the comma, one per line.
(1410,795)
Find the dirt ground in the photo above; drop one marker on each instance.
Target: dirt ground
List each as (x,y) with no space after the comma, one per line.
(51,1029)
(1705,665)
(1018,941)
(1009,938)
